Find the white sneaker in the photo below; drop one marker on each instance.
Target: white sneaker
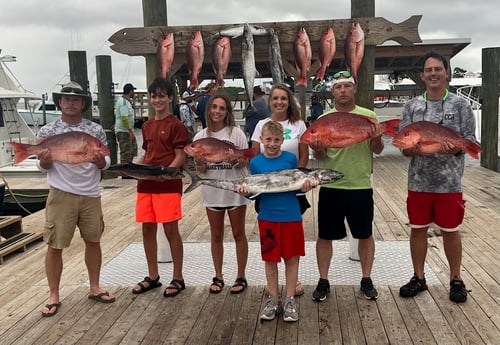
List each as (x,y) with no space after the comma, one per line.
(290,313)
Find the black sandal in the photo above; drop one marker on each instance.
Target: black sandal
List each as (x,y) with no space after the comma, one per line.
(216,283)
(152,284)
(175,284)
(239,282)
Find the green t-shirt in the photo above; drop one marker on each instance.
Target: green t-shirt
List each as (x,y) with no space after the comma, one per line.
(355,161)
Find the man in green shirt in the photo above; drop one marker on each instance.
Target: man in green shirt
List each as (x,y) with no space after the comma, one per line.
(350,198)
(124,124)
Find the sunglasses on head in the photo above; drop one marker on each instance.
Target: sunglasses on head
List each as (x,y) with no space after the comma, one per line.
(345,74)
(72,90)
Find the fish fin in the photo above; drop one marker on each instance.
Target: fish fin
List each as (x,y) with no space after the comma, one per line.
(248,153)
(472,148)
(390,127)
(195,182)
(305,170)
(21,151)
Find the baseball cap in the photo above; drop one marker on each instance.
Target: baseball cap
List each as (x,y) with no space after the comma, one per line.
(127,88)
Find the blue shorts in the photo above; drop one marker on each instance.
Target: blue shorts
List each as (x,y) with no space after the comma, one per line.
(337,205)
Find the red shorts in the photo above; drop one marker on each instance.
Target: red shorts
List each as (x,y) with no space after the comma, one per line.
(281,240)
(158,208)
(445,210)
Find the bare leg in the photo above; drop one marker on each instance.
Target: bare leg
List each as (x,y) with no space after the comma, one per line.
(237,220)
(177,249)
(291,275)
(53,270)
(216,221)
(452,243)
(418,248)
(272,278)
(366,251)
(324,251)
(93,260)
(150,250)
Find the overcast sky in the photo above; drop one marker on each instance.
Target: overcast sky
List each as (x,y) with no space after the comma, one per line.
(40,33)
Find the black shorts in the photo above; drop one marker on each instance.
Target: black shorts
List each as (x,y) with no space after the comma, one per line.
(337,205)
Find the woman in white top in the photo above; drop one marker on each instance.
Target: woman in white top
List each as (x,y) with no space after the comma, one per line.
(221,125)
(285,110)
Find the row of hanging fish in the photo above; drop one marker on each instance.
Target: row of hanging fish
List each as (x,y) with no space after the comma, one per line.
(302,51)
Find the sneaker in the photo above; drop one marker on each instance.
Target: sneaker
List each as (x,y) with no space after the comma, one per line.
(322,290)
(272,308)
(368,289)
(413,287)
(290,313)
(458,292)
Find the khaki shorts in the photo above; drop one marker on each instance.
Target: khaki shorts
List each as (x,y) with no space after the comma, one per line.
(65,211)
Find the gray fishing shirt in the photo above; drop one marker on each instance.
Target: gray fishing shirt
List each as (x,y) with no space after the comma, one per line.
(439,172)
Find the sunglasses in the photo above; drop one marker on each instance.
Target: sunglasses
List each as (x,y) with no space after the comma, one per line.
(345,74)
(72,90)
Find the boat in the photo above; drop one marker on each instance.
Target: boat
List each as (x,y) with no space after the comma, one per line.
(43,112)
(13,128)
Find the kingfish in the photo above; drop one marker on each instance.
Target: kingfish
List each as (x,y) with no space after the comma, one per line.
(248,62)
(165,54)
(277,71)
(354,49)
(327,47)
(237,31)
(147,172)
(69,148)
(429,137)
(339,129)
(195,53)
(302,54)
(273,182)
(221,54)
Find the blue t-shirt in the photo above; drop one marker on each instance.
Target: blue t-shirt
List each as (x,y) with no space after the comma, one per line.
(277,207)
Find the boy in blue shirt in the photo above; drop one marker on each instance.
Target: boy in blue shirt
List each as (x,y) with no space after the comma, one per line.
(280,224)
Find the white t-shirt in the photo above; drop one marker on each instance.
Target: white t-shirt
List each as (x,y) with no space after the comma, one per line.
(216,197)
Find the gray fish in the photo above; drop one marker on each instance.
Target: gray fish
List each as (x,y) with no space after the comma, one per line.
(274,182)
(248,62)
(277,71)
(147,172)
(237,31)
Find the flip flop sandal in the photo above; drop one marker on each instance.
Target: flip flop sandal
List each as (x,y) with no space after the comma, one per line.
(49,307)
(175,284)
(152,284)
(217,285)
(99,298)
(239,282)
(299,289)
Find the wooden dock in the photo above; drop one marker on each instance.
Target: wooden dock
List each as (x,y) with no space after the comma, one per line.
(197,317)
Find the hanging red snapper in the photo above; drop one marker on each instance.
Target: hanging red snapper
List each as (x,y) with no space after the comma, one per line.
(213,150)
(327,48)
(354,49)
(340,129)
(302,54)
(165,54)
(195,53)
(430,137)
(69,148)
(221,54)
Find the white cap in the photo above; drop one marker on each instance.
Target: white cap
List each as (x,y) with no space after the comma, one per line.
(344,80)
(186,94)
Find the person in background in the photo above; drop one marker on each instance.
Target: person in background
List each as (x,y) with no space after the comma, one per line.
(186,114)
(280,224)
(259,111)
(316,108)
(285,110)
(350,198)
(210,90)
(221,125)
(435,180)
(74,197)
(159,201)
(124,125)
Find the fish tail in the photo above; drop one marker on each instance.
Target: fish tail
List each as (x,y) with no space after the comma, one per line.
(390,127)
(195,181)
(302,80)
(321,73)
(22,151)
(472,148)
(248,153)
